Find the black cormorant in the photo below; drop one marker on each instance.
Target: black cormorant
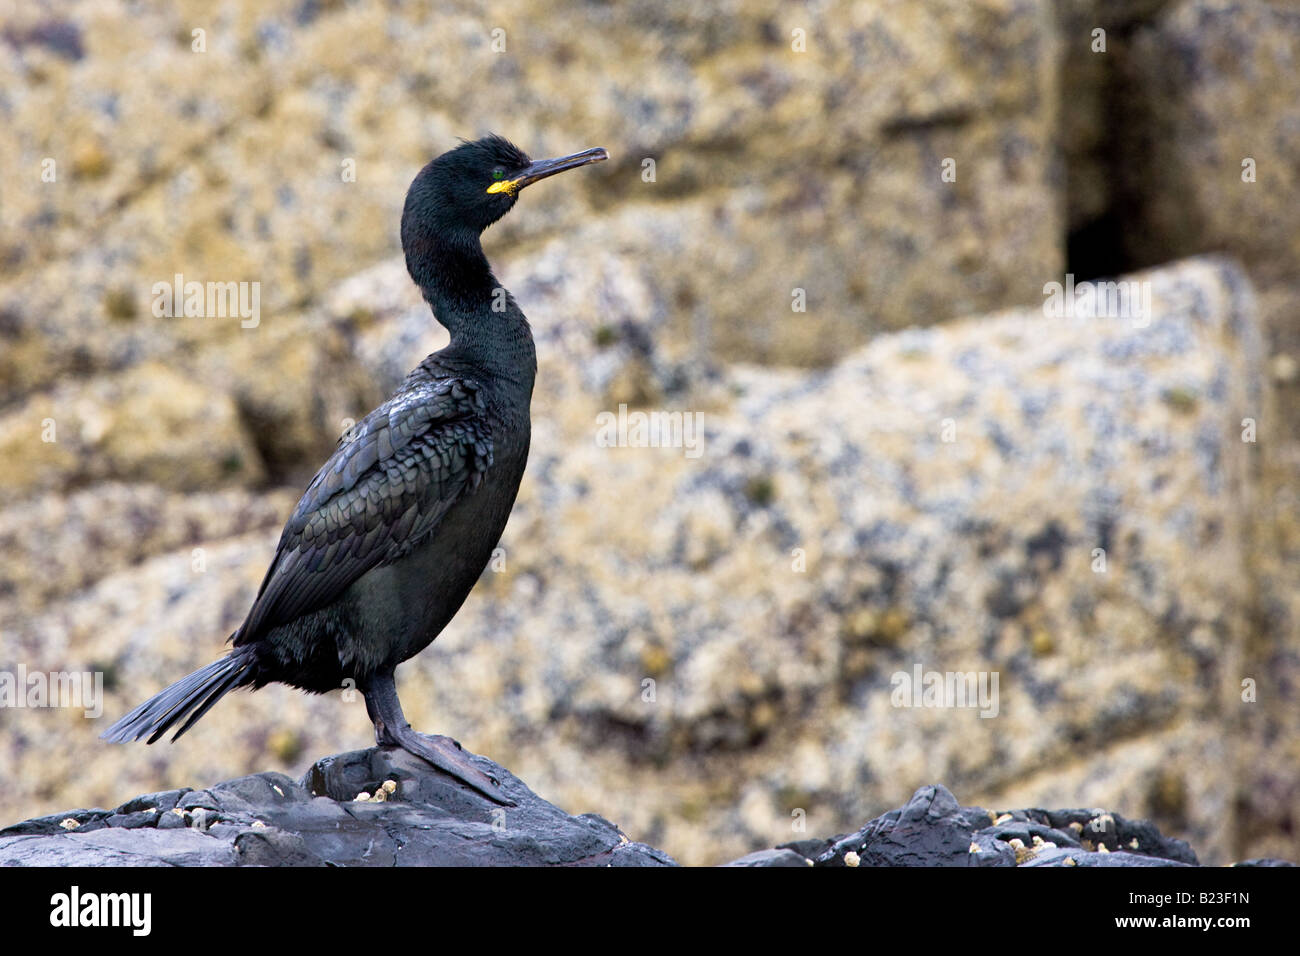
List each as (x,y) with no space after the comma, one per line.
(395,529)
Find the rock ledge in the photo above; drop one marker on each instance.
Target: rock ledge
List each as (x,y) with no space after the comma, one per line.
(383,807)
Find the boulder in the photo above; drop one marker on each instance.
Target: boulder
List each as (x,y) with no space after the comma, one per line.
(1207,128)
(365,808)
(151,424)
(932,829)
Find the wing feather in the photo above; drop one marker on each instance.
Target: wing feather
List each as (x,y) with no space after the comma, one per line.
(384,489)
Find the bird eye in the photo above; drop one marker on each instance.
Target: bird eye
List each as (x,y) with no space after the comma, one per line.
(498,173)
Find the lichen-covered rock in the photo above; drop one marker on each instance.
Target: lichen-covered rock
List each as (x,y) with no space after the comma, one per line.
(792,149)
(1217,86)
(1210,118)
(57,544)
(1206,131)
(709,645)
(150,424)
(831,538)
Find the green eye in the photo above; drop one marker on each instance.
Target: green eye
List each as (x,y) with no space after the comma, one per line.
(498,173)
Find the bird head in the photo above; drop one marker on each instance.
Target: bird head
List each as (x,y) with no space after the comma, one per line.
(470,187)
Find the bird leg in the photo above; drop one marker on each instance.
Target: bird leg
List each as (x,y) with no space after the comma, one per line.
(393,730)
(382,735)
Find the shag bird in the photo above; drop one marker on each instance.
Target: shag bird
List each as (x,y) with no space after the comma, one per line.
(397,526)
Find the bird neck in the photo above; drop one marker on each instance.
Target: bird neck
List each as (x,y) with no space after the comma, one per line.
(487,328)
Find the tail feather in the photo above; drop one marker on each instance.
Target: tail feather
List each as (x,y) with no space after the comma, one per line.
(197,693)
(218,692)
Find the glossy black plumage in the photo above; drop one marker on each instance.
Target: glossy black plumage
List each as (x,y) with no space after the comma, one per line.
(390,536)
(381,493)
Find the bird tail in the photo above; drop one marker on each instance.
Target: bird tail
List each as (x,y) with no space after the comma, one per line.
(197,693)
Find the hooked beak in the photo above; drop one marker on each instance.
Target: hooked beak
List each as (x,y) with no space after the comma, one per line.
(548,167)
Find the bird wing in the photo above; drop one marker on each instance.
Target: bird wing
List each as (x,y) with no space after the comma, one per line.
(384,489)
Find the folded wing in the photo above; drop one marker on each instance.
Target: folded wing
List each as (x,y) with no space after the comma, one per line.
(384,490)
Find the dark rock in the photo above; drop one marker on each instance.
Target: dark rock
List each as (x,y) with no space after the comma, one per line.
(171,821)
(274,848)
(1097,828)
(809,849)
(54,823)
(990,851)
(1264,861)
(933,830)
(777,857)
(131,821)
(423,819)
(383,807)
(1059,856)
(110,846)
(162,802)
(1025,831)
(196,799)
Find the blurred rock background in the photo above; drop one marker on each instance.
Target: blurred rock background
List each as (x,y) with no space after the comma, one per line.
(916,470)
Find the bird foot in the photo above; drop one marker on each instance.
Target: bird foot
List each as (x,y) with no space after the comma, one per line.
(385,738)
(393,730)
(448,756)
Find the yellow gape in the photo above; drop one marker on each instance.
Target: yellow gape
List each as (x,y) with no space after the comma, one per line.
(504,186)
